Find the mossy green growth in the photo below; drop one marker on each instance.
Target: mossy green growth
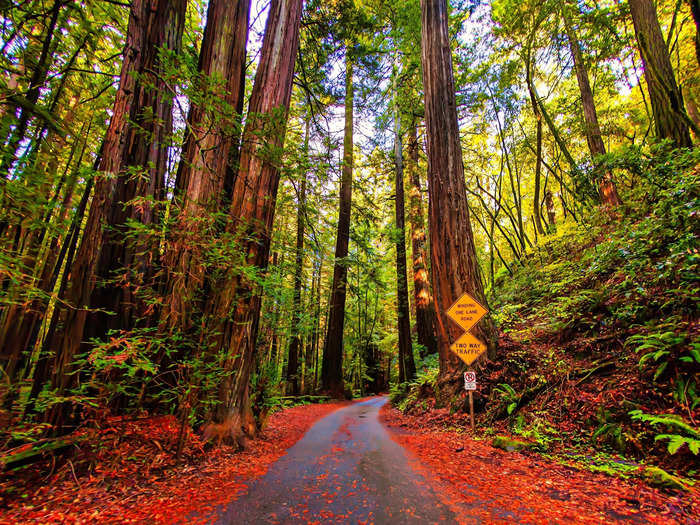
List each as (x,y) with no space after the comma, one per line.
(510,445)
(660,478)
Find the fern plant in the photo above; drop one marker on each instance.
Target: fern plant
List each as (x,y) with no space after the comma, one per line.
(689,436)
(509,396)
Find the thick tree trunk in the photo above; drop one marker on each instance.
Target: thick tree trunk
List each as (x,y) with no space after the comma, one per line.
(212,132)
(452,255)
(332,366)
(407,366)
(670,118)
(82,270)
(295,345)
(233,311)
(126,264)
(607,188)
(426,323)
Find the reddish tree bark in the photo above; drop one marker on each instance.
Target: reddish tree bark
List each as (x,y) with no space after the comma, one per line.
(206,158)
(332,364)
(234,307)
(127,264)
(82,271)
(453,259)
(426,324)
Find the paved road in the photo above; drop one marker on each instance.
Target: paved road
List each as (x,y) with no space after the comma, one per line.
(346,469)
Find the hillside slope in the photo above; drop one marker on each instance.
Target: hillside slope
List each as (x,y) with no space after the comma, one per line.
(599,356)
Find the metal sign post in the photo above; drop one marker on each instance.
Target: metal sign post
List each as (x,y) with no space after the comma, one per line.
(466,312)
(470,386)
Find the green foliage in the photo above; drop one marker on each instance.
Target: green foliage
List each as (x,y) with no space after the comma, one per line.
(688,435)
(406,395)
(508,396)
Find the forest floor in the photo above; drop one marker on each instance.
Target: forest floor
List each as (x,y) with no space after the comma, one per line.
(132,476)
(486,484)
(350,466)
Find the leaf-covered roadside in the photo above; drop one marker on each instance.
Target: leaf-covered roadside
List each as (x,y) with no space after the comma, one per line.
(487,485)
(132,478)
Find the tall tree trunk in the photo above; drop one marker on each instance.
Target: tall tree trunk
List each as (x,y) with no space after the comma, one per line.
(607,189)
(549,203)
(452,255)
(295,345)
(317,322)
(426,323)
(670,119)
(407,366)
(212,132)
(82,270)
(234,308)
(332,366)
(126,264)
(21,321)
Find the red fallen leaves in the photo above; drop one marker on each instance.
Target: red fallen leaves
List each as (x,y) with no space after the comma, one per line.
(484,484)
(121,490)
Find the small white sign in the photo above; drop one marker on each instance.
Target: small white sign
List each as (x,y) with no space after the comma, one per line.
(469,381)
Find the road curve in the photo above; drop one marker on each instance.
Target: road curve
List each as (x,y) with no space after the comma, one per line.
(346,469)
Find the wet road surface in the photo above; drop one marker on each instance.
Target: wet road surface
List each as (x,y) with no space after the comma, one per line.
(346,469)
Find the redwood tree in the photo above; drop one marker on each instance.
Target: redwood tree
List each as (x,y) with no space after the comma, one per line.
(120,135)
(233,308)
(206,158)
(453,259)
(139,191)
(407,366)
(332,365)
(426,322)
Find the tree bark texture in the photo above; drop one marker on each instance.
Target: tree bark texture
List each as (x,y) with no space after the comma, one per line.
(127,264)
(211,134)
(234,307)
(82,271)
(332,365)
(426,323)
(606,188)
(453,258)
(670,118)
(407,366)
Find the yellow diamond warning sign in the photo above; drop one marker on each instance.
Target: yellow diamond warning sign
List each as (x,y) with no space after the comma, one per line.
(468,348)
(466,312)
